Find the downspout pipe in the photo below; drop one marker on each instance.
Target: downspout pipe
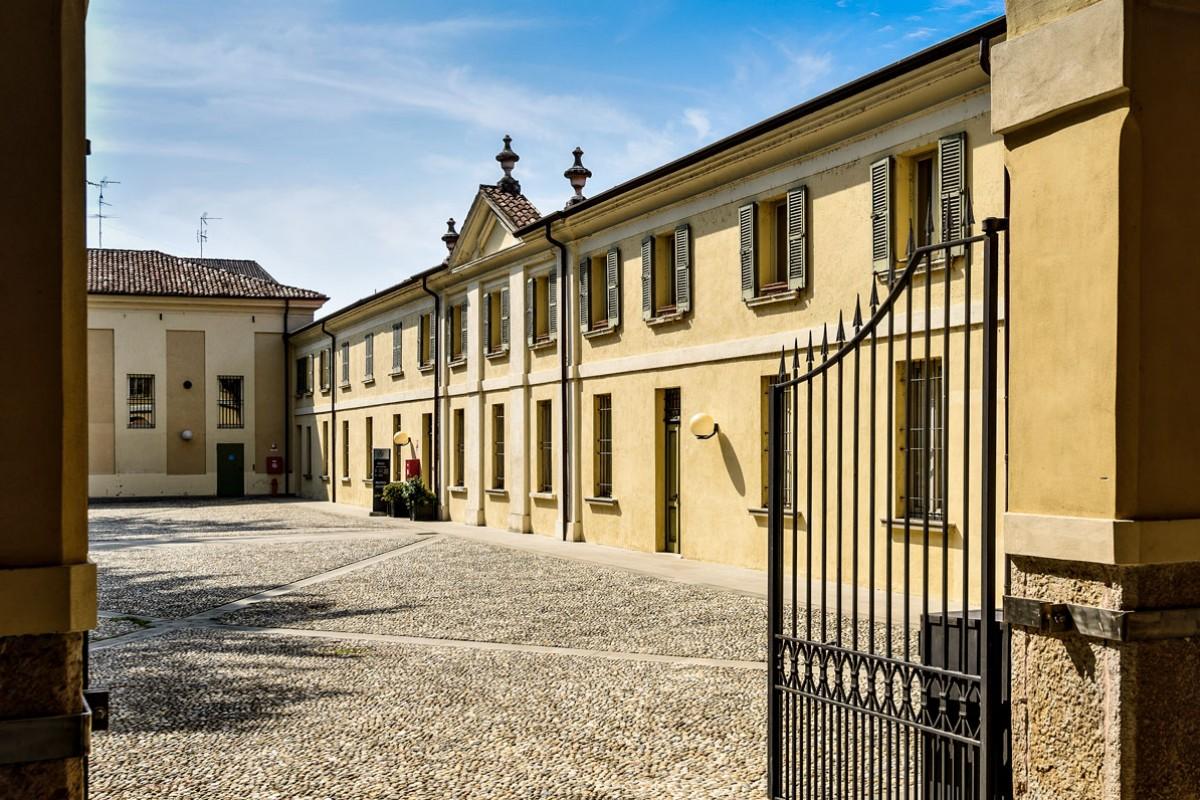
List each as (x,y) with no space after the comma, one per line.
(435,335)
(287,405)
(333,483)
(563,361)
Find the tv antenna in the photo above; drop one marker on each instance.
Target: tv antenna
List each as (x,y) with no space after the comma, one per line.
(100,216)
(202,231)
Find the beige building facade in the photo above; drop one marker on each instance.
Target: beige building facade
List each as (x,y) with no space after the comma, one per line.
(187,368)
(574,347)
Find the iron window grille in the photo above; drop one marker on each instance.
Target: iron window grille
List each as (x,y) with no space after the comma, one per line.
(924,459)
(788,423)
(346,449)
(229,401)
(545,448)
(369,359)
(141,401)
(604,459)
(460,441)
(498,446)
(397,344)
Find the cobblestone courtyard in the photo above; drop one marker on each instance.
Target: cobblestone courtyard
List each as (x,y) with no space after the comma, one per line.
(279,650)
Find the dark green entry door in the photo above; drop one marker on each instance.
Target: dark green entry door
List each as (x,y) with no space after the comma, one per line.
(231,470)
(671,471)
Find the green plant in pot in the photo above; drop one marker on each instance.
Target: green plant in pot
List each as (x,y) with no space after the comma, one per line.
(422,504)
(395,494)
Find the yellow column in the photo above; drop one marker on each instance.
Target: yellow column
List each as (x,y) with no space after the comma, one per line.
(47,586)
(1098,105)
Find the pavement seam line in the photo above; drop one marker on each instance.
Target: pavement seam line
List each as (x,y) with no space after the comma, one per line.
(159,541)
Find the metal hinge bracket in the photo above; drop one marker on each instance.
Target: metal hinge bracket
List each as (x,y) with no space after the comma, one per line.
(1101,623)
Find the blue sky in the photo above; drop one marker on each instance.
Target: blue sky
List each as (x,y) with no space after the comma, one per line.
(334,137)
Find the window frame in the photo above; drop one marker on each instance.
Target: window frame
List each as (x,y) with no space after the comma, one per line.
(141,400)
(345,366)
(498,441)
(368,357)
(225,408)
(397,348)
(345,449)
(460,448)
(545,447)
(602,483)
(921,451)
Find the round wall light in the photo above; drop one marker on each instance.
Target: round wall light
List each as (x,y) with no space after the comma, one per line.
(186,434)
(401,438)
(703,426)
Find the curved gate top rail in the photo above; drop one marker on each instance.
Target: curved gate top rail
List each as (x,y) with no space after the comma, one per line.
(886,659)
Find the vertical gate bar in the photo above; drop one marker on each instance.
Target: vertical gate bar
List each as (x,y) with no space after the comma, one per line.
(774,579)
(927,460)
(824,491)
(989,665)
(839,501)
(871,761)
(945,461)
(966,442)
(891,757)
(793,462)
(907,509)
(810,718)
(858,728)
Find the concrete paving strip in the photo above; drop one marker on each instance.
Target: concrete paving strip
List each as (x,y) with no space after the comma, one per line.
(466,644)
(249,538)
(200,619)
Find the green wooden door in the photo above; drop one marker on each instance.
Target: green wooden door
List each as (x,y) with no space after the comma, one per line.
(231,470)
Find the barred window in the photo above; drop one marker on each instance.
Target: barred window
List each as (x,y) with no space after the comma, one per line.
(924,458)
(604,461)
(369,358)
(788,437)
(346,449)
(397,348)
(229,401)
(545,454)
(141,401)
(460,440)
(498,446)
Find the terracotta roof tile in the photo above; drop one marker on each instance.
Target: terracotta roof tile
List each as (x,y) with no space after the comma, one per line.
(516,207)
(154,273)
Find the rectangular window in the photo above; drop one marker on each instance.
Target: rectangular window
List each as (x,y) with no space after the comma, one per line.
(427,449)
(308,452)
(345,449)
(541,308)
(229,401)
(603,432)
(325,449)
(141,401)
(922,199)
(460,443)
(397,349)
(923,458)
(345,363)
(664,274)
(545,448)
(397,454)
(302,387)
(788,440)
(369,357)
(456,318)
(425,345)
(772,260)
(368,441)
(498,446)
(325,375)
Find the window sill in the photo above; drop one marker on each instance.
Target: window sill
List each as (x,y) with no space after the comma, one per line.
(368,481)
(764,513)
(601,501)
(496,492)
(369,381)
(666,319)
(787,296)
(544,344)
(396,373)
(346,481)
(324,390)
(461,361)
(344,385)
(496,355)
(456,489)
(324,479)
(596,333)
(939,263)
(548,497)
(427,367)
(307,477)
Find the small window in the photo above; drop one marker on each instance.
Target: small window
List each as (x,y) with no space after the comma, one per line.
(345,363)
(460,451)
(308,438)
(141,401)
(922,199)
(498,446)
(346,449)
(457,319)
(426,340)
(788,436)
(368,441)
(664,275)
(603,434)
(369,357)
(302,387)
(772,261)
(495,321)
(545,449)
(325,373)
(397,452)
(397,348)
(921,455)
(229,401)
(541,308)
(427,449)
(325,449)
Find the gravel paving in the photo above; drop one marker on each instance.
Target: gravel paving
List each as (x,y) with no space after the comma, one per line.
(181,579)
(460,589)
(269,718)
(117,626)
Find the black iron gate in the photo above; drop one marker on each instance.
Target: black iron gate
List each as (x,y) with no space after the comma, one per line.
(887,670)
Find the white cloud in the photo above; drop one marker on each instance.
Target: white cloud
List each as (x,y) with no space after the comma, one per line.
(698,120)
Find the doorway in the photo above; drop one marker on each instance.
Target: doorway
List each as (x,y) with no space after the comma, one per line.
(231,471)
(670,473)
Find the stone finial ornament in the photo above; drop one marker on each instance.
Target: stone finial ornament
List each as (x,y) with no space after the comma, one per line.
(450,237)
(577,174)
(508,159)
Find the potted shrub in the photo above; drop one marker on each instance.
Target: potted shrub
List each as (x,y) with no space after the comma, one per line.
(422,504)
(395,495)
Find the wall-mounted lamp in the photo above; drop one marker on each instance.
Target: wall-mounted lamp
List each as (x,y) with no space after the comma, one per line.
(703,426)
(186,434)
(401,438)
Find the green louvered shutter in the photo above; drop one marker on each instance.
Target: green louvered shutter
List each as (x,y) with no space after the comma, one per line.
(881,214)
(952,186)
(747,239)
(552,303)
(487,322)
(797,238)
(683,268)
(530,312)
(585,281)
(309,376)
(504,318)
(648,277)
(612,287)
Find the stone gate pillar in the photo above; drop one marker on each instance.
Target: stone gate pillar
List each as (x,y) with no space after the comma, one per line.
(47,586)
(1099,104)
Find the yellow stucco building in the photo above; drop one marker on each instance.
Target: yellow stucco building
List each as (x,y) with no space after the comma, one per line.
(546,373)
(187,363)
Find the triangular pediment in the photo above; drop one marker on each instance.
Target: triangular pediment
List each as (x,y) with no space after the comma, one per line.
(489,225)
